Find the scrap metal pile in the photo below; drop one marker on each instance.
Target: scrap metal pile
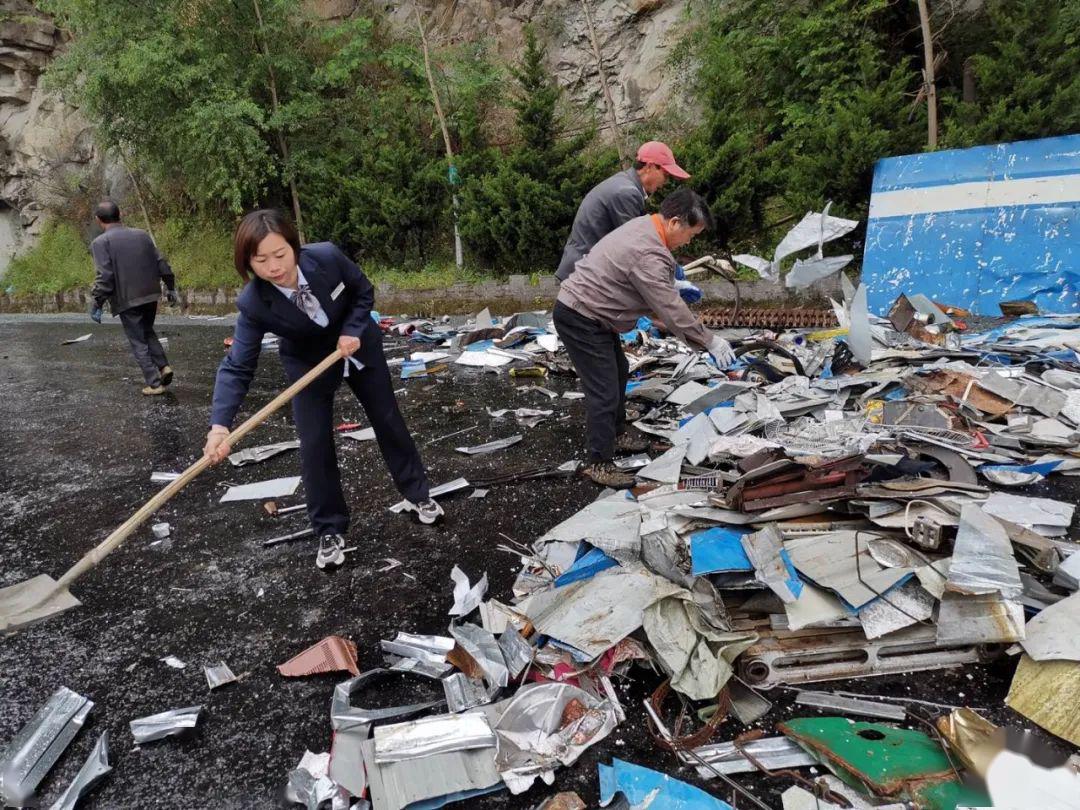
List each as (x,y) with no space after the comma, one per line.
(840,503)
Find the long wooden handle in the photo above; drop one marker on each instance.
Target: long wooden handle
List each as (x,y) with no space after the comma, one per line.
(99,552)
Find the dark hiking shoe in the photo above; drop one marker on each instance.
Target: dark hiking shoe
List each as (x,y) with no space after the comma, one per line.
(630,443)
(153,390)
(607,474)
(331,551)
(166,375)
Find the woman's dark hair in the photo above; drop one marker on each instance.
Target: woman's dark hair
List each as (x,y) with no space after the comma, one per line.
(688,206)
(255,227)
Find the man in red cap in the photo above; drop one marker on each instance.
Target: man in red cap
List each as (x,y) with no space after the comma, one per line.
(616,200)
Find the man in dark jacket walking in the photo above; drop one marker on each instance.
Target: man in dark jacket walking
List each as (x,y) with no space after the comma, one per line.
(129,274)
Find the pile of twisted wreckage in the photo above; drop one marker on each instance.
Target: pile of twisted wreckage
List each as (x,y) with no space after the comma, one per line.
(844,501)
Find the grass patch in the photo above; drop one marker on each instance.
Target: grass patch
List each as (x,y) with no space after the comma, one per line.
(59,261)
(200,254)
(432,276)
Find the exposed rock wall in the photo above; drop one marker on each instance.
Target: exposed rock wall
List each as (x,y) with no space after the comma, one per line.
(44,142)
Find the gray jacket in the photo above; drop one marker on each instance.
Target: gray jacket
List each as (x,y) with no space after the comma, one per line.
(608,205)
(129,269)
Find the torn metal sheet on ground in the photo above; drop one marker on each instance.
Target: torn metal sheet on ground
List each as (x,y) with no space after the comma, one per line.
(218,675)
(164,724)
(490,447)
(440,734)
(831,562)
(855,706)
(484,649)
(332,654)
(263,490)
(253,455)
(612,525)
(1054,634)
(467,597)
(775,753)
(344,716)
(39,743)
(92,771)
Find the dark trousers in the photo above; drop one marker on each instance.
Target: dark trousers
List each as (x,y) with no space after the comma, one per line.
(138,325)
(597,354)
(313,412)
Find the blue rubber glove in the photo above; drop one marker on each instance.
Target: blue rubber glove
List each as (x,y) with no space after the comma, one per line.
(95,313)
(680,273)
(690,294)
(172,297)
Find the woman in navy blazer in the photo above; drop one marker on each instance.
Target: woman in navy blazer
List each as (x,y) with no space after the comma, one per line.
(315,300)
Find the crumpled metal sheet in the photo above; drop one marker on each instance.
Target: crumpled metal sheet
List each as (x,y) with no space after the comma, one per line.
(332,654)
(597,613)
(455,776)
(980,619)
(467,597)
(218,675)
(165,724)
(440,734)
(643,787)
(1054,633)
(612,525)
(545,725)
(1047,693)
(37,746)
(490,447)
(1044,515)
(859,335)
(773,752)
(901,607)
(806,271)
(982,559)
(253,455)
(92,771)
(698,435)
(697,655)
(464,693)
(829,561)
(666,467)
(517,652)
(766,553)
(484,649)
(310,790)
(344,716)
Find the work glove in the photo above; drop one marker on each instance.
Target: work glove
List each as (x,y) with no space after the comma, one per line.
(721,352)
(680,273)
(172,297)
(690,294)
(95,312)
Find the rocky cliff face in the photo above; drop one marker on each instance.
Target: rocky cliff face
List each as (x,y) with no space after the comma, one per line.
(44,143)
(635,39)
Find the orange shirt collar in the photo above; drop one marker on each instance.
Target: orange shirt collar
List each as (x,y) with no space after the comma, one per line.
(659,225)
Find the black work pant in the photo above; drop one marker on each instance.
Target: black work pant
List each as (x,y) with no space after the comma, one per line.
(313,412)
(597,354)
(138,323)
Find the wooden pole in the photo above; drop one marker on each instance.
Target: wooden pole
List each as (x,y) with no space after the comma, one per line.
(928,76)
(608,101)
(458,254)
(283,145)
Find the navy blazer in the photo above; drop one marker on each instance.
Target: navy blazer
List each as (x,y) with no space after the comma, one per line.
(264,309)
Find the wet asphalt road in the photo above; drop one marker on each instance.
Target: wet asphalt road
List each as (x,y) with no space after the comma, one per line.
(78,447)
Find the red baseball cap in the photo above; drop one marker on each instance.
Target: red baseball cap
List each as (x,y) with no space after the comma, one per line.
(661,155)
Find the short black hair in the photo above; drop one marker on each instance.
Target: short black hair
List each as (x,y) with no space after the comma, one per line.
(107,211)
(255,227)
(689,206)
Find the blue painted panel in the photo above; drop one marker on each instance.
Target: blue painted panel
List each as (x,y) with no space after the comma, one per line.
(976,257)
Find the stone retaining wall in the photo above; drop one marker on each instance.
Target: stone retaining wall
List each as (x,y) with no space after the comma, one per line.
(502,297)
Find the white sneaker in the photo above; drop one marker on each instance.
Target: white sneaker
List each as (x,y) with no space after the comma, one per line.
(331,551)
(428,511)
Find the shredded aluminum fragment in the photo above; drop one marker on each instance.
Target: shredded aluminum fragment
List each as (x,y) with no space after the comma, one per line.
(466,597)
(92,771)
(218,675)
(440,734)
(166,724)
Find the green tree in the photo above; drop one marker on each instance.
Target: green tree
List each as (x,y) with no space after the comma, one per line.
(1025,57)
(518,214)
(799,100)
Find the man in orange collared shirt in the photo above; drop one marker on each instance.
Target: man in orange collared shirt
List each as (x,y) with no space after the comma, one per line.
(627,274)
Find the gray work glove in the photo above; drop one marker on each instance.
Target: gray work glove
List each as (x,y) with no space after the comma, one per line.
(95,312)
(172,297)
(721,352)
